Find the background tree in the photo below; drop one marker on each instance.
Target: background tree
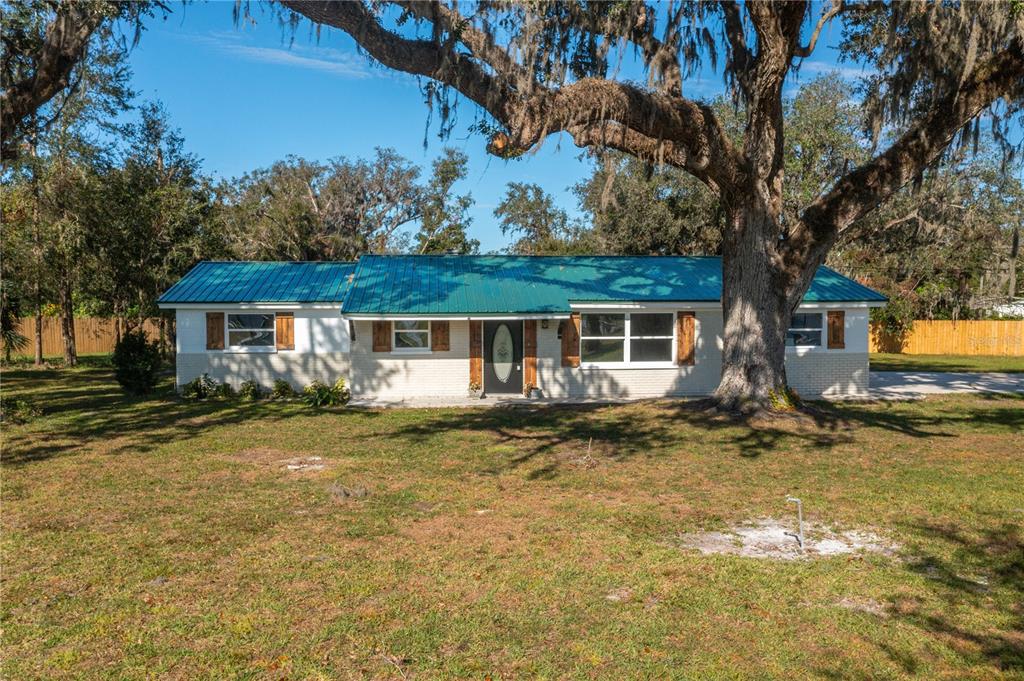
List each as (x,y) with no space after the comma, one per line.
(443,216)
(542,68)
(540,227)
(48,47)
(152,223)
(304,210)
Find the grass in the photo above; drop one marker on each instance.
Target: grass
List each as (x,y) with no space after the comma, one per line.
(157,538)
(970,363)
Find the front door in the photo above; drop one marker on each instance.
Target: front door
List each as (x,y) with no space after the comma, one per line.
(503,357)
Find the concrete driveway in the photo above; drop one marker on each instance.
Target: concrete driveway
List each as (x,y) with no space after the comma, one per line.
(904,384)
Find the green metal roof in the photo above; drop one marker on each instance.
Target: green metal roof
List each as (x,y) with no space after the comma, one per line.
(262,282)
(486,284)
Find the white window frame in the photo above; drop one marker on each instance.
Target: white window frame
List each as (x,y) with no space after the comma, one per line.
(822,332)
(249,348)
(411,351)
(627,363)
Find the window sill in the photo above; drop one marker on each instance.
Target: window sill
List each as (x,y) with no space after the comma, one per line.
(629,365)
(412,351)
(249,351)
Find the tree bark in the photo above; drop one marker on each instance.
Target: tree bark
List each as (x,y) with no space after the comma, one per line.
(39,327)
(67,322)
(755,312)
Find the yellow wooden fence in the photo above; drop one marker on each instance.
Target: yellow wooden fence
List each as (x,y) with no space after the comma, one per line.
(92,335)
(944,337)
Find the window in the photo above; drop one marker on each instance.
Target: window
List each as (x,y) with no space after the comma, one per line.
(603,338)
(251,331)
(650,337)
(640,338)
(804,330)
(411,336)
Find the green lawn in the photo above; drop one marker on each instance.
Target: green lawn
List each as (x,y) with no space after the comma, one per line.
(974,363)
(154,538)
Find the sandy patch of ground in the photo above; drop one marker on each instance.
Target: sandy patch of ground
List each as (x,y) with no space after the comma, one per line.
(275,458)
(771,538)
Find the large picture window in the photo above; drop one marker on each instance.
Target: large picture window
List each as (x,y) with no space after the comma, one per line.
(633,338)
(251,331)
(804,330)
(411,336)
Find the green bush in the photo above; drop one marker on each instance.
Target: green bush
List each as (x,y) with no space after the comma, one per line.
(199,389)
(319,394)
(250,391)
(18,410)
(282,390)
(137,362)
(224,391)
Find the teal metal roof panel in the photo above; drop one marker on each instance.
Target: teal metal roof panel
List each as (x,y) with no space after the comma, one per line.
(262,282)
(486,284)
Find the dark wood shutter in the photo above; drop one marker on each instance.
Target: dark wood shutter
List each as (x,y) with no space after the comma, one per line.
(571,341)
(530,353)
(285,323)
(382,336)
(439,337)
(476,354)
(836,329)
(685,333)
(214,330)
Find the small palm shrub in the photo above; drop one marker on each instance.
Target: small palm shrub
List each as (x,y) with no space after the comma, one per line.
(282,390)
(250,391)
(319,394)
(200,388)
(137,362)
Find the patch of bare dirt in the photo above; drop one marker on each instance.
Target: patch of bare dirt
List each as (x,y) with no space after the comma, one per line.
(773,539)
(286,461)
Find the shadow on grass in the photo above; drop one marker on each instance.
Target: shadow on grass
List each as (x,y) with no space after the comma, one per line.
(982,570)
(619,432)
(84,405)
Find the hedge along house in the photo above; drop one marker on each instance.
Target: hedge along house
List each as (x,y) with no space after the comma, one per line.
(411,327)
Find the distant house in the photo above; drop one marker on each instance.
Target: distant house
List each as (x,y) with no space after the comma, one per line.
(406,327)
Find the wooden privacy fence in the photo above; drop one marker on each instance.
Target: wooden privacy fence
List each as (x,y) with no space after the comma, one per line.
(92,335)
(944,337)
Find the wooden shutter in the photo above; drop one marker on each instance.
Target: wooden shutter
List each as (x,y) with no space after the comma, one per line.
(476,353)
(530,353)
(214,330)
(439,336)
(685,332)
(836,329)
(285,323)
(382,336)
(571,341)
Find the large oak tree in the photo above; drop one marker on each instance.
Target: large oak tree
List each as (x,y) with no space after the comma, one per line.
(539,68)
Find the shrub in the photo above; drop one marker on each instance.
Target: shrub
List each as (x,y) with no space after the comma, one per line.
(18,410)
(224,391)
(250,391)
(199,389)
(319,394)
(282,390)
(137,362)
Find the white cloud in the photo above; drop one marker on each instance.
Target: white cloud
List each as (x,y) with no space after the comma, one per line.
(845,72)
(327,60)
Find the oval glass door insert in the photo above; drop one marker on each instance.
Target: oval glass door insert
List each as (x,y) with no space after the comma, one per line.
(501,353)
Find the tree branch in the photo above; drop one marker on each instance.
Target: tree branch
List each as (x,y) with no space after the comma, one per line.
(826,16)
(584,108)
(864,188)
(64,45)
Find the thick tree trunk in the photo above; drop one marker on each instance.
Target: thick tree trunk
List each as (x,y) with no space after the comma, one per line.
(67,323)
(756,315)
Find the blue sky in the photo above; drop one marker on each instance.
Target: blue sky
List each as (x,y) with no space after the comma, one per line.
(245,96)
